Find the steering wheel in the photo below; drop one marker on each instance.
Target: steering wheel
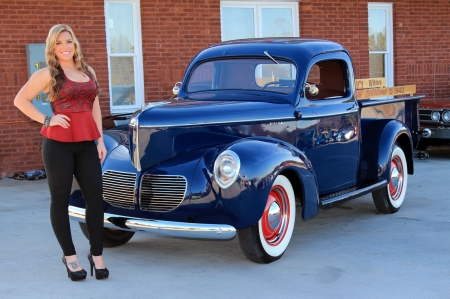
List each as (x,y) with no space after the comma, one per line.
(279,83)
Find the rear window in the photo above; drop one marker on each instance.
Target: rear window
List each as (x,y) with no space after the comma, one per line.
(243,74)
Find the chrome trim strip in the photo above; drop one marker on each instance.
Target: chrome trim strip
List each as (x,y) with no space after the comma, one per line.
(312,116)
(162,228)
(136,158)
(218,123)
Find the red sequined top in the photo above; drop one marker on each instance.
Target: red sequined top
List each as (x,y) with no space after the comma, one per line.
(75,100)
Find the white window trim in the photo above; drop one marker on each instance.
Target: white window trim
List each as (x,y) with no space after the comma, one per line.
(259,5)
(389,63)
(138,61)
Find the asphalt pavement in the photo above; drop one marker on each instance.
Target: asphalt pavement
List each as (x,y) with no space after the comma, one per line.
(346,252)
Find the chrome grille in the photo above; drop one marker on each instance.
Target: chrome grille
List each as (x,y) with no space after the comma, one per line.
(119,188)
(161,193)
(425,114)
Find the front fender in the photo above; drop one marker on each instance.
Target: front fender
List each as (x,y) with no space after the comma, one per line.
(114,138)
(379,137)
(262,159)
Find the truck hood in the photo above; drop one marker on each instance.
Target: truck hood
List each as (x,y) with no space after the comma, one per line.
(162,130)
(434,103)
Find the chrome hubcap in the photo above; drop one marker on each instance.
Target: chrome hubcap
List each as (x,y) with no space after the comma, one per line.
(397,177)
(274,217)
(275,220)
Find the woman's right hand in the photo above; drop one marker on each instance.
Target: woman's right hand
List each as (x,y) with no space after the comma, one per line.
(60,120)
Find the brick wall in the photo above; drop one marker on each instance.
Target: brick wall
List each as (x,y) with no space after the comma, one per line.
(175,30)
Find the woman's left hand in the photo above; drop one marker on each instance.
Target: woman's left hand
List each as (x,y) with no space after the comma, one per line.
(101,149)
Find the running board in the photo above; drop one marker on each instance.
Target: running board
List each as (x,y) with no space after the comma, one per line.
(341,198)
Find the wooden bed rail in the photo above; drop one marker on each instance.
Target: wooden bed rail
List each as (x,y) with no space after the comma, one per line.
(376,88)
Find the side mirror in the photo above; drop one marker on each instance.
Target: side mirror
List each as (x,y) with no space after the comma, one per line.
(176,88)
(313,90)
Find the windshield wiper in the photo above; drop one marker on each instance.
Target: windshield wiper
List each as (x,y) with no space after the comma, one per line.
(265,52)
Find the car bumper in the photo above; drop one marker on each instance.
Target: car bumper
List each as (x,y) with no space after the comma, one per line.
(440,133)
(163,228)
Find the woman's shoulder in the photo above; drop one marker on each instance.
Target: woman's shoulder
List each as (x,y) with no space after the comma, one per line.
(40,79)
(43,74)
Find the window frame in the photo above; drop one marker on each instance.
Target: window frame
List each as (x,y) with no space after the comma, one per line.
(257,8)
(137,58)
(343,59)
(389,61)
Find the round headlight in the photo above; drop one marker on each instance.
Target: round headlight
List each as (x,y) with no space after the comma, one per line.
(226,168)
(435,116)
(446,116)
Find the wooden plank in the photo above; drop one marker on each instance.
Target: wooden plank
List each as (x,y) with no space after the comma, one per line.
(385,92)
(370,83)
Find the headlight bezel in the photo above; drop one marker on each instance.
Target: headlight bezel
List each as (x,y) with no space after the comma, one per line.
(433,114)
(446,114)
(223,179)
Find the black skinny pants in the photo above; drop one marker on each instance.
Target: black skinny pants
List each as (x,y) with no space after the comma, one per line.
(62,161)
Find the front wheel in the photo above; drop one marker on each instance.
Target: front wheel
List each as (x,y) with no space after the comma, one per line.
(267,240)
(111,237)
(389,199)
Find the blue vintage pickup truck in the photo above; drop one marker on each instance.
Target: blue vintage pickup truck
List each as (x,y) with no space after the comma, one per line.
(261,132)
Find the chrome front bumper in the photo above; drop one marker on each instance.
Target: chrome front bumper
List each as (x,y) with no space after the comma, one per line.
(163,228)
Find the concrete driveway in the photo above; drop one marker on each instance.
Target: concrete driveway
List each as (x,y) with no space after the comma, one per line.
(346,252)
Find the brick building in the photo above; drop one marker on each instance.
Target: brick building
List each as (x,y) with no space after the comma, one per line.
(146,44)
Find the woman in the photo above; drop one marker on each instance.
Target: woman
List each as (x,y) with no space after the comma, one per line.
(69,147)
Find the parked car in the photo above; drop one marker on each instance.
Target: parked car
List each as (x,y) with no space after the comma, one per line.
(435,115)
(259,128)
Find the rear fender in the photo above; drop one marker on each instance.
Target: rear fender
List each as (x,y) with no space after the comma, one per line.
(379,137)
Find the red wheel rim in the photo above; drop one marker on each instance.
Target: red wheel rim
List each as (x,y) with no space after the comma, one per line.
(397,178)
(275,219)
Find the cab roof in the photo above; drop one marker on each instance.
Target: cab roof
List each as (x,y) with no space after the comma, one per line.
(292,48)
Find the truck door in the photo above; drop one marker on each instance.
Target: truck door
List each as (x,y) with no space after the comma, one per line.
(328,128)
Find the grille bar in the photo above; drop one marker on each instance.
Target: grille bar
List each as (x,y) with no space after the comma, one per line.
(161,193)
(119,189)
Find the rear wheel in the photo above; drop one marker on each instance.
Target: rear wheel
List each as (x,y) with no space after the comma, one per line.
(389,199)
(111,237)
(267,240)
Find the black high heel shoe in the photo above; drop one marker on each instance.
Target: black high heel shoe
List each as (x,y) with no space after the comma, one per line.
(99,273)
(74,276)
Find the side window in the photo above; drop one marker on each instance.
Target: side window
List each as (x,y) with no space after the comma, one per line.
(330,78)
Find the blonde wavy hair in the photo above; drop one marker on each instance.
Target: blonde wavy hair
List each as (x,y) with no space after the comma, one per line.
(52,61)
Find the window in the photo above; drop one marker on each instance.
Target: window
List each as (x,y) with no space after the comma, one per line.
(248,19)
(243,74)
(123,37)
(329,77)
(381,58)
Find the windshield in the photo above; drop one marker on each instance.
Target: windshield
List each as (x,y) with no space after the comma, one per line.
(244,74)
